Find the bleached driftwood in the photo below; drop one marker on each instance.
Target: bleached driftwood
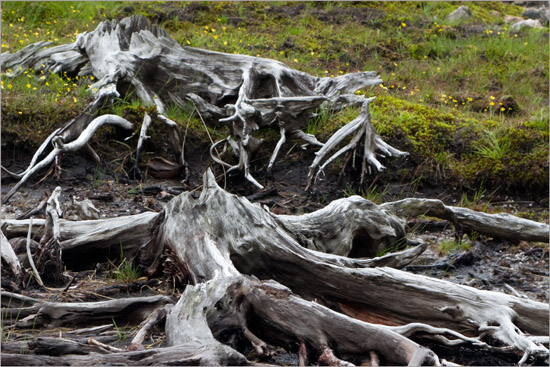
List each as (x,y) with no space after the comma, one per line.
(8,256)
(56,314)
(501,225)
(243,91)
(60,146)
(251,274)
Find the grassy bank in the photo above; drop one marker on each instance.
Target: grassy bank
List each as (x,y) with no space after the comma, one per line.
(468,100)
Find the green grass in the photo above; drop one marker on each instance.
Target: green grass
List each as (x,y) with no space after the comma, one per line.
(446,247)
(126,271)
(468,100)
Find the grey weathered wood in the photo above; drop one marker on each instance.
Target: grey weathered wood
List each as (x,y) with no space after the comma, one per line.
(242,91)
(500,225)
(60,146)
(55,314)
(188,354)
(9,257)
(257,245)
(227,244)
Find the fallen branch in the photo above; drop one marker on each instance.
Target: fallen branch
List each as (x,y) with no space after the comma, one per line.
(60,146)
(29,257)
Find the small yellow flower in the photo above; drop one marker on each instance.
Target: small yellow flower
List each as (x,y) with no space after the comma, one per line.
(412,92)
(492,104)
(29,86)
(10,86)
(206,27)
(225,43)
(326,71)
(68,89)
(75,100)
(403,24)
(213,30)
(312,53)
(295,60)
(503,109)
(20,112)
(34,88)
(281,52)
(188,42)
(470,99)
(95,90)
(47,84)
(215,36)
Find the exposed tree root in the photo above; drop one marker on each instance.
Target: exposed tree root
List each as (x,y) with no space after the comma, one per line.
(252,273)
(243,91)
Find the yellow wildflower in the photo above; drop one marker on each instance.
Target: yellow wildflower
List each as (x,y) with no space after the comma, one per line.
(29,86)
(492,103)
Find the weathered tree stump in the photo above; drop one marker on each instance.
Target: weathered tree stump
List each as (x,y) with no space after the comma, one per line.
(287,281)
(242,91)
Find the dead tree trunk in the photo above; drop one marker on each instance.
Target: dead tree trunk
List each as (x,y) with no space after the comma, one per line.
(243,91)
(286,281)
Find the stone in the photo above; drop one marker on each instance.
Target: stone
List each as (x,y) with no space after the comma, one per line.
(528,23)
(534,13)
(462,13)
(512,19)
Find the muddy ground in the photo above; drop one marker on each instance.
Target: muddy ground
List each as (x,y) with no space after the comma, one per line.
(514,268)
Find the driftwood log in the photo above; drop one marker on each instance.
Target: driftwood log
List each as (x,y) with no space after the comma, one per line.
(242,91)
(289,281)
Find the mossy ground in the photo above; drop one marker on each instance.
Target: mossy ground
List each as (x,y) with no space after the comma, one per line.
(468,100)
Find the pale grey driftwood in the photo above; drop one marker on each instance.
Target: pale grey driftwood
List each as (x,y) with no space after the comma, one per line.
(242,91)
